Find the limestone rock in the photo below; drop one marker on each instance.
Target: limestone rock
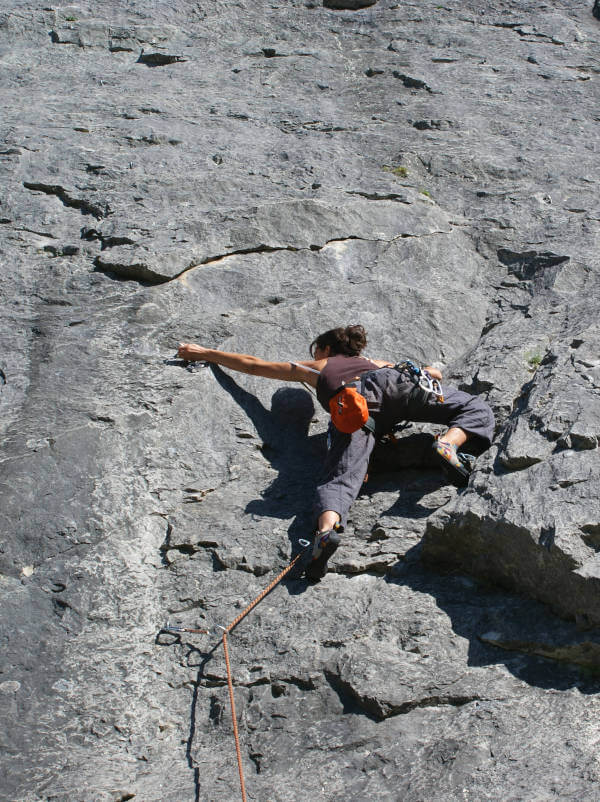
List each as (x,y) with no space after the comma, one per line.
(247,175)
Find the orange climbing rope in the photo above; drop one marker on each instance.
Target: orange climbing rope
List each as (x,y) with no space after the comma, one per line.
(228,629)
(264,593)
(226,632)
(238,751)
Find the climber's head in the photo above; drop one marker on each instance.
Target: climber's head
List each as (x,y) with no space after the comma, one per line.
(349,341)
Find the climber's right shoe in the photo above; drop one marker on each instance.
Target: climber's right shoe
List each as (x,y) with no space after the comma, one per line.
(456,466)
(324,546)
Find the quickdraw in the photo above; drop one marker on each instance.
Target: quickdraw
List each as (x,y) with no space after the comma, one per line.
(173,628)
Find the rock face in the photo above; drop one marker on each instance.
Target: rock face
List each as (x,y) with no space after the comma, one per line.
(247,175)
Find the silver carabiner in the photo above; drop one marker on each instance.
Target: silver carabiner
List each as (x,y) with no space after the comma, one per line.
(431,385)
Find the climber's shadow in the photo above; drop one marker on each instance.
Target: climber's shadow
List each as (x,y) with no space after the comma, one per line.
(407,469)
(287,445)
(481,613)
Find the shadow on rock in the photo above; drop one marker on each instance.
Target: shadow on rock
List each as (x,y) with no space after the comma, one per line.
(290,450)
(406,468)
(535,646)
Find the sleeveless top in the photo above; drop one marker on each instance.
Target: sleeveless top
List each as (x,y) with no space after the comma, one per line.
(340,370)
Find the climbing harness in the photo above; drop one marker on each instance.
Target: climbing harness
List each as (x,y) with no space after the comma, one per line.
(349,408)
(305,545)
(426,386)
(421,378)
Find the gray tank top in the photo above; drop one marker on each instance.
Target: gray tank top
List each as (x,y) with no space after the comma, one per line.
(340,370)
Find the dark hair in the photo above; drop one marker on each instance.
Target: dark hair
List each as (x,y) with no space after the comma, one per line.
(349,341)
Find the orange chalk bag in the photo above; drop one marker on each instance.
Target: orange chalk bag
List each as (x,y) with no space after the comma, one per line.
(348,408)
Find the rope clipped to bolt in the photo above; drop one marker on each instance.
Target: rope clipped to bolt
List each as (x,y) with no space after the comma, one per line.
(226,631)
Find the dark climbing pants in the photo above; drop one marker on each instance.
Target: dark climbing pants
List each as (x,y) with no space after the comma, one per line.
(348,455)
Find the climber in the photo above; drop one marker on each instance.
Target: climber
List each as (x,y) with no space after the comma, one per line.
(392,394)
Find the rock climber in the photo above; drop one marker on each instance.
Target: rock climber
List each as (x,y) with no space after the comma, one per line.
(393,393)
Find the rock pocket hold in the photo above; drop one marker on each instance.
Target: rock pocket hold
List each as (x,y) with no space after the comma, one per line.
(349,5)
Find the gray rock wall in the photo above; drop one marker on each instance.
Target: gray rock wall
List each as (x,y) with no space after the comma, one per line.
(247,175)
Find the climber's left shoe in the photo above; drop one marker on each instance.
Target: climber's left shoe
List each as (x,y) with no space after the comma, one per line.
(324,546)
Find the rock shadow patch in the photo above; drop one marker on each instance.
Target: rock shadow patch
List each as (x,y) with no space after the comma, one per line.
(535,646)
(290,450)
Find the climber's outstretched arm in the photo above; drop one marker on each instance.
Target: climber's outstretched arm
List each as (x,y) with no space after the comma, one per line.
(245,363)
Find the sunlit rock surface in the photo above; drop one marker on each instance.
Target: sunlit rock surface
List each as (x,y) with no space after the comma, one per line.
(246,175)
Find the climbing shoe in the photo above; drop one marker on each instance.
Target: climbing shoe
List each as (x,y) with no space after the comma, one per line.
(324,546)
(456,465)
